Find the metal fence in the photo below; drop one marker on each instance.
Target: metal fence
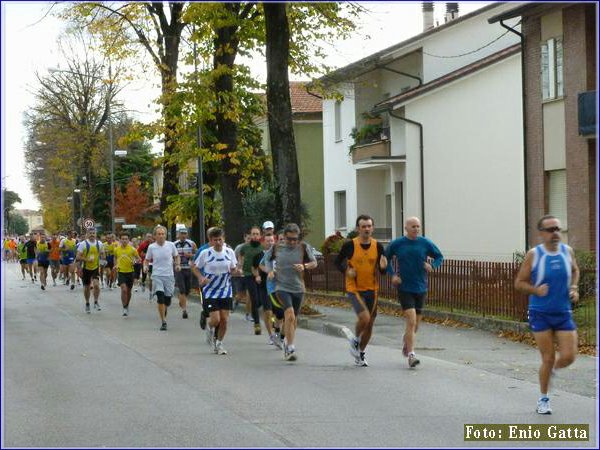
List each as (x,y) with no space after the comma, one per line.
(479,288)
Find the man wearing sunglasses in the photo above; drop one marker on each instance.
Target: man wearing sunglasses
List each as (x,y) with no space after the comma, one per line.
(550,275)
(290,260)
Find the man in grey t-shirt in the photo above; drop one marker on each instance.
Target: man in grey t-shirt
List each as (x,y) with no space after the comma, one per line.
(290,260)
(162,254)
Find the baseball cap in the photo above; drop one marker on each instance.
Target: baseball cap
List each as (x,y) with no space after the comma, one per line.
(268,224)
(182,230)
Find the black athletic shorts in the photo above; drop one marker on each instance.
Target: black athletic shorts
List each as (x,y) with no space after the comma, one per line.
(290,300)
(276,306)
(365,300)
(88,275)
(183,281)
(44,264)
(218,304)
(412,300)
(125,277)
(137,270)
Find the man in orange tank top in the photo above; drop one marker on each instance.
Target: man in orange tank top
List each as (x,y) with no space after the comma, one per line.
(54,257)
(360,259)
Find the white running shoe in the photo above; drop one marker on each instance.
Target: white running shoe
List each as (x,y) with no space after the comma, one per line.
(220,349)
(413,361)
(543,406)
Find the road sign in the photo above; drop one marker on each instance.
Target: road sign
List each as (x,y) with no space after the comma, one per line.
(88,223)
(129,225)
(119,219)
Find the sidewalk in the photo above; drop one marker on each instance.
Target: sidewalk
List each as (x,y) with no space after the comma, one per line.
(468,346)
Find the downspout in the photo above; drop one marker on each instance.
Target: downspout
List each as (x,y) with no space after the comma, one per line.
(420,125)
(525,184)
(414,77)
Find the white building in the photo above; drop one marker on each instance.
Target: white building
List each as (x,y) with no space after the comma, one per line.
(460,85)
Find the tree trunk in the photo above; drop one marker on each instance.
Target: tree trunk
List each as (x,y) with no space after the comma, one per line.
(281,131)
(226,46)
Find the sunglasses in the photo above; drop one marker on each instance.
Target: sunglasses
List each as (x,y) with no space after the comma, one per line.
(550,229)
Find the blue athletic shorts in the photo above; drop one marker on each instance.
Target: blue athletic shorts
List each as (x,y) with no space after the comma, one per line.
(30,260)
(558,321)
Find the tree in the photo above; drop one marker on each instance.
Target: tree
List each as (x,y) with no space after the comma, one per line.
(9,198)
(281,131)
(17,224)
(133,203)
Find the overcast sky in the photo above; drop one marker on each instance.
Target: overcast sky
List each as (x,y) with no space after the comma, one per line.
(29,45)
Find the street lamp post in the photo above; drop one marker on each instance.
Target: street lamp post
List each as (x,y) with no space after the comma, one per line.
(113,153)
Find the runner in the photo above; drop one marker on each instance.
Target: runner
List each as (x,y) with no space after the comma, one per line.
(126,255)
(22,252)
(142,249)
(290,260)
(161,255)
(30,246)
(89,253)
(137,267)
(54,257)
(412,253)
(109,249)
(260,277)
(68,247)
(550,275)
(247,254)
(183,279)
(267,266)
(360,259)
(42,254)
(217,263)
(237,282)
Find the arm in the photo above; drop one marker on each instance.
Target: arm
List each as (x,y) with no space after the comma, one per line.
(436,254)
(312,263)
(383,262)
(575,274)
(523,283)
(346,252)
(176,258)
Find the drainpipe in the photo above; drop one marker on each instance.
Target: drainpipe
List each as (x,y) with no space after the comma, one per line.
(512,30)
(414,77)
(420,125)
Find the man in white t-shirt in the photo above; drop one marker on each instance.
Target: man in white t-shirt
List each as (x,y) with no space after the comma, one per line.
(217,264)
(162,254)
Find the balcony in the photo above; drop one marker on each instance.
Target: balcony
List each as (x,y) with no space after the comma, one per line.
(587,113)
(369,151)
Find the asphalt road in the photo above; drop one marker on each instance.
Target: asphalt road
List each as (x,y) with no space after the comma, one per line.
(77,380)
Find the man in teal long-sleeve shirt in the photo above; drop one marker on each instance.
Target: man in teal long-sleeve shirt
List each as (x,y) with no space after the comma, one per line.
(412,253)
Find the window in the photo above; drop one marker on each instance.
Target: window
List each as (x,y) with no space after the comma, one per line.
(338,121)
(552,69)
(557,195)
(339,204)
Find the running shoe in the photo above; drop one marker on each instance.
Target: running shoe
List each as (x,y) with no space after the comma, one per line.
(354,350)
(220,349)
(249,318)
(72,286)
(184,315)
(97,307)
(125,312)
(413,361)
(543,406)
(278,341)
(163,327)
(271,340)
(290,354)
(363,360)
(43,287)
(87,308)
(257,329)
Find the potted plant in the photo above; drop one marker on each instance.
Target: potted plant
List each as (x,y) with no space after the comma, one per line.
(366,134)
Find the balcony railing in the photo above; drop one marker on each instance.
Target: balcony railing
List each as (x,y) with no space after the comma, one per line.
(368,151)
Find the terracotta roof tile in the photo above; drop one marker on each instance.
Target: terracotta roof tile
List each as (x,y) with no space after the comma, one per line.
(302,101)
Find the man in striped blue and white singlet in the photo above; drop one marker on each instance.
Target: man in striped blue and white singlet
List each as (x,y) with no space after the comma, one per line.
(550,276)
(213,268)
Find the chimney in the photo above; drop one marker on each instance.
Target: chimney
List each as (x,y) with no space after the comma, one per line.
(451,11)
(427,15)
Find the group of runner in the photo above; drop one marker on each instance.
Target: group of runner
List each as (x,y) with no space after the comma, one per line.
(268,270)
